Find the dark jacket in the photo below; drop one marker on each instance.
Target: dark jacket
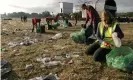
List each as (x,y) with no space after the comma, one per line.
(110,5)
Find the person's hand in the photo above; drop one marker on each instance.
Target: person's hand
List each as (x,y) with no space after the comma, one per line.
(107,44)
(83,25)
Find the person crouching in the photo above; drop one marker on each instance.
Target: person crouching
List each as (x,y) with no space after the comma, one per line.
(105,43)
(34,23)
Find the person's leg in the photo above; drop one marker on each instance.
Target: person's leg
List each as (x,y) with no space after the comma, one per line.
(36,25)
(88,32)
(24,19)
(75,22)
(33,28)
(100,54)
(39,23)
(95,27)
(92,48)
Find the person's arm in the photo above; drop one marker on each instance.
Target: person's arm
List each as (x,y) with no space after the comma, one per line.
(99,38)
(56,17)
(119,32)
(87,19)
(92,16)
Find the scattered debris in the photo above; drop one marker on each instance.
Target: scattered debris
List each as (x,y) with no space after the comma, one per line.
(57,36)
(46,51)
(76,52)
(18,30)
(29,67)
(48,62)
(57,47)
(13,32)
(59,58)
(18,54)
(48,77)
(4,29)
(46,55)
(3,50)
(4,33)
(50,41)
(70,62)
(74,56)
(44,60)
(26,42)
(11,44)
(68,55)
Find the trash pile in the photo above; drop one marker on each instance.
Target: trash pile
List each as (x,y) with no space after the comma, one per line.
(47,77)
(26,42)
(48,62)
(63,59)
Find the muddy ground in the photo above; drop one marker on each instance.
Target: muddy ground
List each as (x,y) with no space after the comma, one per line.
(80,68)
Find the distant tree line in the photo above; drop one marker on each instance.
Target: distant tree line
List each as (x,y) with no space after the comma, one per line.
(128,14)
(47,14)
(19,14)
(39,15)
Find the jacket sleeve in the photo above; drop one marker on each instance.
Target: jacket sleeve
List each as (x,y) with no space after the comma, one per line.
(99,37)
(87,19)
(92,16)
(119,32)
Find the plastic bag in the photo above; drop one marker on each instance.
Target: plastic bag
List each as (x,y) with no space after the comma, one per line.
(65,23)
(116,40)
(130,67)
(57,36)
(89,31)
(55,25)
(78,37)
(40,29)
(120,58)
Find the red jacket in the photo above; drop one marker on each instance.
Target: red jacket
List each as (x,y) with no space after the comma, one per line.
(56,17)
(49,19)
(34,21)
(93,15)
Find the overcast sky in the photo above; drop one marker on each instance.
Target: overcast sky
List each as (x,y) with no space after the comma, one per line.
(38,6)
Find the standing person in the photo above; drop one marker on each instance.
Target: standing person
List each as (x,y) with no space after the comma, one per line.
(34,23)
(22,18)
(49,22)
(110,5)
(105,43)
(25,18)
(56,18)
(94,17)
(76,18)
